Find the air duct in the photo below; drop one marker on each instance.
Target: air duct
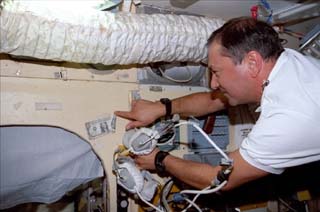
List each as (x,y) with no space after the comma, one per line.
(71,31)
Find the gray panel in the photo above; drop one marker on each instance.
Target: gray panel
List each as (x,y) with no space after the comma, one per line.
(41,164)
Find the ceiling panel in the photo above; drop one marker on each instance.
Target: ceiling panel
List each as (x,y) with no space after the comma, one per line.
(225,9)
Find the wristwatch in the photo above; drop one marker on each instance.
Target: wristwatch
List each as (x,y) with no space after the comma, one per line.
(168,105)
(158,161)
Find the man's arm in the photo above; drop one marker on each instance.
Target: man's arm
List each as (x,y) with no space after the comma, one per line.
(199,104)
(145,112)
(200,175)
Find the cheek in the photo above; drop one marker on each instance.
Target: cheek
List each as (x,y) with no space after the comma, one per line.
(232,88)
(227,84)
(239,93)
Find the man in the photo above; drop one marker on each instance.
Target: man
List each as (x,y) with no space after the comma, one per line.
(248,65)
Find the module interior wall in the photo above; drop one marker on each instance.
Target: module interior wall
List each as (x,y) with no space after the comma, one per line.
(80,98)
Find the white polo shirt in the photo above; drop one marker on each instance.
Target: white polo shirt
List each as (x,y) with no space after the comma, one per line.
(287,132)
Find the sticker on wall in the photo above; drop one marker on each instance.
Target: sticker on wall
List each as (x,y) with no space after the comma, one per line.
(48,106)
(101,126)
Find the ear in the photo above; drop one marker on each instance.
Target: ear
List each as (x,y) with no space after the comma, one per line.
(254,61)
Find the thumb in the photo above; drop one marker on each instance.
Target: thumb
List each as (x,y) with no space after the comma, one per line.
(133,124)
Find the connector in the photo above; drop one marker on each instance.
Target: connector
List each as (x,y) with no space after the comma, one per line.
(226,162)
(121,148)
(178,197)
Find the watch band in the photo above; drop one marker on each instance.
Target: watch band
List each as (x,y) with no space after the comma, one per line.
(158,161)
(168,104)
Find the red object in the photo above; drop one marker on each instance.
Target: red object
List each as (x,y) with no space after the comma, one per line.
(254,11)
(208,125)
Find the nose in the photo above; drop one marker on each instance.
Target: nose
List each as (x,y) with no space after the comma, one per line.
(214,82)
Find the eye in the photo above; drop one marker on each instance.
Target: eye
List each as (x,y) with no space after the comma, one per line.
(215,72)
(211,70)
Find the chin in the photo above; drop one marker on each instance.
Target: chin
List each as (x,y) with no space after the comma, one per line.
(233,102)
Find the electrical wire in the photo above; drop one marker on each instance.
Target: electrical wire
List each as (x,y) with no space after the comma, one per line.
(193,204)
(164,192)
(197,192)
(176,80)
(148,203)
(215,189)
(194,199)
(206,136)
(287,205)
(203,191)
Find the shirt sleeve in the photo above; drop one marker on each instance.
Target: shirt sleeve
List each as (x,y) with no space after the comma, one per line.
(281,139)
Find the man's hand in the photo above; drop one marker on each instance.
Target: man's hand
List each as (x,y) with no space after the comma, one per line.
(142,113)
(146,161)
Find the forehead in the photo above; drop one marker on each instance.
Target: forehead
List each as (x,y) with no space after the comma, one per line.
(214,48)
(214,54)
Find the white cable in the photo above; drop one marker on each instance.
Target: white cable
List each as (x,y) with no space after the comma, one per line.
(176,80)
(201,192)
(205,191)
(194,200)
(205,135)
(165,191)
(197,192)
(193,204)
(148,203)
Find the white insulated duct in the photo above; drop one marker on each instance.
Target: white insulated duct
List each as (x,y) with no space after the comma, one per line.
(72,31)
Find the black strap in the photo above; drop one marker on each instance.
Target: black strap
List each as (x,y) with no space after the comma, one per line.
(158,161)
(168,104)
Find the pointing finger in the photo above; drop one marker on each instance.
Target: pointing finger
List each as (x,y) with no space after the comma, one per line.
(124,114)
